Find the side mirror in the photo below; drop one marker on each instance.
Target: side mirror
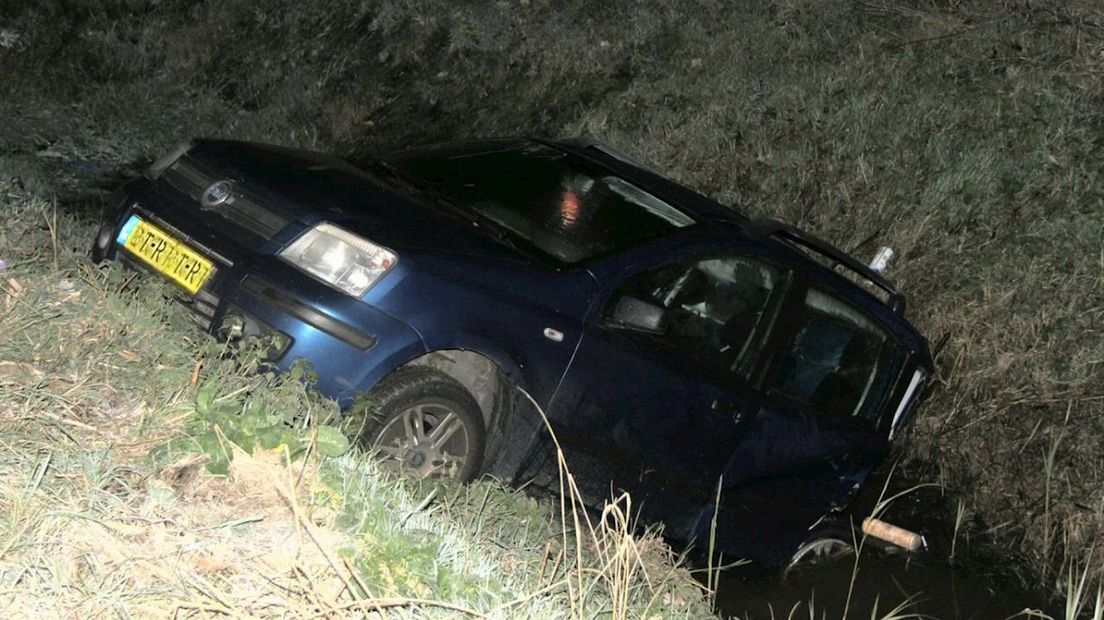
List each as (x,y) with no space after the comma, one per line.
(639,315)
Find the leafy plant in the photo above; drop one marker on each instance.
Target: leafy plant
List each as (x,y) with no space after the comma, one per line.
(233,409)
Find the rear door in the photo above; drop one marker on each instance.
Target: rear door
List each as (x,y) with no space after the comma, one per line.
(831,361)
(829,374)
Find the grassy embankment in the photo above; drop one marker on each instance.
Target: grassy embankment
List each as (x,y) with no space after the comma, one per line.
(112,411)
(966,136)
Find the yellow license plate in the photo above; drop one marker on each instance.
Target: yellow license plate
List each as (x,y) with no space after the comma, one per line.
(164,253)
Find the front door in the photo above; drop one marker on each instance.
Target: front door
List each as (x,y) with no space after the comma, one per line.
(656,406)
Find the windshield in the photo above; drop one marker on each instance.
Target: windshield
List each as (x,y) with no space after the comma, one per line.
(565,206)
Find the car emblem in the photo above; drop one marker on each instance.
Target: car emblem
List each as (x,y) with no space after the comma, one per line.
(217,193)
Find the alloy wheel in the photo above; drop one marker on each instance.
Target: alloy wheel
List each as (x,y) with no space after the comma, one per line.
(426,440)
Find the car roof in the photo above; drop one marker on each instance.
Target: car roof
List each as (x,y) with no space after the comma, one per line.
(815,249)
(831,270)
(818,259)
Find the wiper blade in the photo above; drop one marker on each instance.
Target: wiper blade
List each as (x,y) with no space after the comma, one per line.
(389,174)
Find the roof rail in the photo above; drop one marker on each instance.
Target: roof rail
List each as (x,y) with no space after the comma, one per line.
(584,142)
(766,227)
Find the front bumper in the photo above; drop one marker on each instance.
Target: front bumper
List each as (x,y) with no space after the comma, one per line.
(349,344)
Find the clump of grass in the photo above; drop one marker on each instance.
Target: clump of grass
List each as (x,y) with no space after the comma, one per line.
(1078,592)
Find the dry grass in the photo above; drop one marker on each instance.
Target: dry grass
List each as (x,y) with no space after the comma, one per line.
(180,542)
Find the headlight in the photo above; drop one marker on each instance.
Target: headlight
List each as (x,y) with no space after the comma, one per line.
(162,164)
(339,258)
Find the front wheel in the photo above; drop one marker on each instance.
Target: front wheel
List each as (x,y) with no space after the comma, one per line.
(424,424)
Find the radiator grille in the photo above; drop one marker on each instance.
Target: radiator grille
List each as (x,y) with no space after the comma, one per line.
(243,208)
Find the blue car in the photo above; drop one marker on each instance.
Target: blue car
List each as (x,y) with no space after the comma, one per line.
(715,367)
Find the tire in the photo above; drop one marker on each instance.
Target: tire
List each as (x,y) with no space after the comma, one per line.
(422,423)
(820,550)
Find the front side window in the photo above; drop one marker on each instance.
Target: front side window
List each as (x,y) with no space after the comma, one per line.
(715,310)
(839,362)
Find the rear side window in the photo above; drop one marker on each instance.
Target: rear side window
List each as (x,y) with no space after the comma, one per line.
(839,362)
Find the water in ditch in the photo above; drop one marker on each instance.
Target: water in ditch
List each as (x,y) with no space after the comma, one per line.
(982,581)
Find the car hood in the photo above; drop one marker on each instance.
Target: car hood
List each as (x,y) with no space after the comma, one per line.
(313,187)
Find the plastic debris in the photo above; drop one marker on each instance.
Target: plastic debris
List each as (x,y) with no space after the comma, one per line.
(8,38)
(881,260)
(892,534)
